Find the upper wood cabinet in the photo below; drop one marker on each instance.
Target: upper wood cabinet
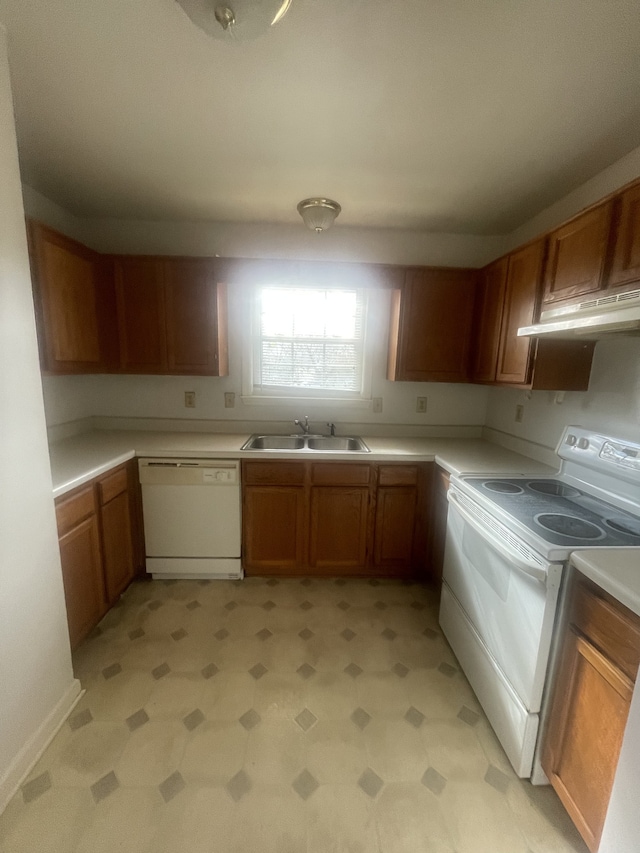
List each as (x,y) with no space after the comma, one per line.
(576,255)
(171,316)
(625,263)
(488,320)
(141,314)
(74,304)
(196,314)
(522,288)
(431,322)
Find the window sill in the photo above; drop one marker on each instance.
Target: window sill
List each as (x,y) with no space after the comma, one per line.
(334,402)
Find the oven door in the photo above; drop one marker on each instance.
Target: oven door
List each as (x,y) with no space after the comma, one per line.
(507,592)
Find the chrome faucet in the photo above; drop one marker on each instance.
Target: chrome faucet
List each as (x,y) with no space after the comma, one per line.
(303,426)
(332,428)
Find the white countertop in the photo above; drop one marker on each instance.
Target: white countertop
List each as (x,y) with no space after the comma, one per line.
(78,459)
(616,570)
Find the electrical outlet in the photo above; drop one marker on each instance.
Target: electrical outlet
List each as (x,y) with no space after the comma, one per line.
(421,405)
(190,399)
(377,405)
(519,413)
(229,399)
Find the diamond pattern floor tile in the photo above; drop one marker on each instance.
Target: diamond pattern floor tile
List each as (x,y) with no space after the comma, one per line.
(171,786)
(370,783)
(434,781)
(306,719)
(105,786)
(338,700)
(305,785)
(239,785)
(36,787)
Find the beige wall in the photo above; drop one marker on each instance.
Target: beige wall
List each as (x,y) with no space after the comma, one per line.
(36,681)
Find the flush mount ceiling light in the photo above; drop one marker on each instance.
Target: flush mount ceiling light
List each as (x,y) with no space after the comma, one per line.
(235,20)
(318,213)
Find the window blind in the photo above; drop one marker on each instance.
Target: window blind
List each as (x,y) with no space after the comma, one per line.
(310,338)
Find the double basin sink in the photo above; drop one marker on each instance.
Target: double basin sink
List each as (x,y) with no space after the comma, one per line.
(318,443)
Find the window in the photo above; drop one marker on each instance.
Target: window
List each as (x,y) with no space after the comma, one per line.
(309,342)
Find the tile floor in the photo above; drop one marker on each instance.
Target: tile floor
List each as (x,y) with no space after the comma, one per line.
(315,716)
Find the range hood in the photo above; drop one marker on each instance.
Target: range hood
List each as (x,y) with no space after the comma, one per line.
(590,320)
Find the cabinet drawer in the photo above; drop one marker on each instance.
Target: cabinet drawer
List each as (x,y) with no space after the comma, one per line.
(112,485)
(273,473)
(398,475)
(608,625)
(72,510)
(340,474)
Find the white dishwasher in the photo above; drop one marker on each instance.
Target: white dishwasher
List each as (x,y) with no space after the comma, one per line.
(191,510)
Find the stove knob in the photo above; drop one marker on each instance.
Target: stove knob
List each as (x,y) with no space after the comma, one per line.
(583,443)
(571,440)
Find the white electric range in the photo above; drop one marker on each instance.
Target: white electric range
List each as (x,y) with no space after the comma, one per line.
(508,542)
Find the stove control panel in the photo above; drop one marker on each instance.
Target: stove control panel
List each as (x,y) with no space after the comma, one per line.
(612,456)
(623,454)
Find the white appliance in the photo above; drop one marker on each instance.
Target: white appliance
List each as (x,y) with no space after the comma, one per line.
(591,319)
(508,542)
(191,510)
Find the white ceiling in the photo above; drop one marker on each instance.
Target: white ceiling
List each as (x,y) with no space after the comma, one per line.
(441,115)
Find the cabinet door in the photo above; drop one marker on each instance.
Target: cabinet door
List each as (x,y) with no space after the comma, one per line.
(338,529)
(488,320)
(431,326)
(116,529)
(587,722)
(576,256)
(141,314)
(195,326)
(625,266)
(82,578)
(394,530)
(274,530)
(67,286)
(521,298)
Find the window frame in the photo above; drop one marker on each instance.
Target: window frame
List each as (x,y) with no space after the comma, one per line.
(265,395)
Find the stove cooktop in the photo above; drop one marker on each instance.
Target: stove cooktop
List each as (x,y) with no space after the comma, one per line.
(560,513)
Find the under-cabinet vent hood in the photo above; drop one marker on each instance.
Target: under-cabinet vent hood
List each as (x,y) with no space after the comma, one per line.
(592,319)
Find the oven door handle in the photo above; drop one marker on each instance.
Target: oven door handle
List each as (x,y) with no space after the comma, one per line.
(527,567)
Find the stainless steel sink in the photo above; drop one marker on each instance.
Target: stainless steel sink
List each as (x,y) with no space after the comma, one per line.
(315,443)
(274,442)
(338,443)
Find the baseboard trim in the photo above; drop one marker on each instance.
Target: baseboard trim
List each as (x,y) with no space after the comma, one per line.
(31,752)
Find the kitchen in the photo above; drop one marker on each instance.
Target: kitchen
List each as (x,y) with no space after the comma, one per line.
(611,404)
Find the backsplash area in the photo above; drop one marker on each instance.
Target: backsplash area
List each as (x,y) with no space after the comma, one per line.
(612,403)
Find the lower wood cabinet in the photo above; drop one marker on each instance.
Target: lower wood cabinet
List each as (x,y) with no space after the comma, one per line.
(274,521)
(100,546)
(79,538)
(438,526)
(328,518)
(116,524)
(590,704)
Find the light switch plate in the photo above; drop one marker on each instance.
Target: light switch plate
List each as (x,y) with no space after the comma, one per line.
(190,399)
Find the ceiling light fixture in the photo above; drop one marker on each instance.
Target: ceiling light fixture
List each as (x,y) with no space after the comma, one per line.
(318,214)
(235,20)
